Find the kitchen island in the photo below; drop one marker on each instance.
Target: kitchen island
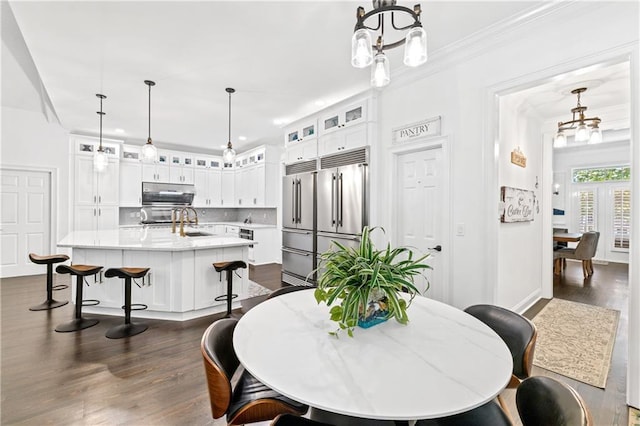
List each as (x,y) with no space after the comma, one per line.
(182,283)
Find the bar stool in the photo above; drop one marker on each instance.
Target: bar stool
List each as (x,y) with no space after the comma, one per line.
(78,322)
(229,267)
(128,328)
(49,260)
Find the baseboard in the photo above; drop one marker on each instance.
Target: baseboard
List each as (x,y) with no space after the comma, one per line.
(527,302)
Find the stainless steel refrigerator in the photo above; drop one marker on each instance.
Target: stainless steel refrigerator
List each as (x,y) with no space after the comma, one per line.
(343,207)
(298,223)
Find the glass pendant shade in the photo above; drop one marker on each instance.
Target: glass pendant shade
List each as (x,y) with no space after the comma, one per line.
(380,75)
(100,161)
(149,152)
(560,140)
(415,47)
(582,133)
(229,154)
(596,135)
(361,50)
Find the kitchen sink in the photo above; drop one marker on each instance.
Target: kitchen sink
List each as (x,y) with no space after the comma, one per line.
(197,234)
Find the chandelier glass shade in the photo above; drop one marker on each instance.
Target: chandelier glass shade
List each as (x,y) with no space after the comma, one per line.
(100,159)
(229,154)
(149,152)
(362,47)
(587,130)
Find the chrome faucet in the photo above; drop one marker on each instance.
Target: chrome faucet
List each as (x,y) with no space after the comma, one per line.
(184,217)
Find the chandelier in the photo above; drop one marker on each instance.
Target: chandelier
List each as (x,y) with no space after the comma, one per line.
(100,159)
(415,41)
(582,133)
(229,154)
(149,152)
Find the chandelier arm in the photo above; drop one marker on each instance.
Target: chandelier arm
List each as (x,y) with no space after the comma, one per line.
(361,19)
(561,125)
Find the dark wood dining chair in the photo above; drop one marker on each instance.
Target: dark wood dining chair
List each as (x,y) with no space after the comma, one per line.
(547,401)
(489,414)
(287,289)
(517,332)
(249,401)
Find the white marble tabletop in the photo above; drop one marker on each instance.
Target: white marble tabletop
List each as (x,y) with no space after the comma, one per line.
(148,239)
(443,362)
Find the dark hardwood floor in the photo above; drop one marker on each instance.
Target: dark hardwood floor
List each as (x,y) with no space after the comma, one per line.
(157,377)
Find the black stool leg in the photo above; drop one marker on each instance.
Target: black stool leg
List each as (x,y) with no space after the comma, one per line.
(128,328)
(229,292)
(77,323)
(50,303)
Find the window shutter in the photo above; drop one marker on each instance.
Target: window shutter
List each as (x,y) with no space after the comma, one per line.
(621,218)
(586,210)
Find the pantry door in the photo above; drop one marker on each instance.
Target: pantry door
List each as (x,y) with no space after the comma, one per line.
(420,213)
(25,220)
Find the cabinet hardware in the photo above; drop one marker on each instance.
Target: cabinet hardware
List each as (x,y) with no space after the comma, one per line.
(94,198)
(149,280)
(99,212)
(101,277)
(94,212)
(99,198)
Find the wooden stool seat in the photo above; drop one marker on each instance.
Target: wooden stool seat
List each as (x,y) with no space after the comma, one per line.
(128,328)
(49,260)
(78,322)
(229,267)
(79,270)
(126,272)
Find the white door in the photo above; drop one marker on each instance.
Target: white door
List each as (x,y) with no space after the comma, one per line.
(419,213)
(25,222)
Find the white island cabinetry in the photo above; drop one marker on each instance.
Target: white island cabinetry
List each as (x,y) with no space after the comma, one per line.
(181,284)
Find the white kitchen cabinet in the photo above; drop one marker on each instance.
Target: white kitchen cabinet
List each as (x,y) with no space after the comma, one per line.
(130,184)
(267,247)
(301,131)
(241,186)
(109,291)
(343,140)
(155,172)
(208,184)
(343,117)
(96,195)
(260,185)
(227,191)
(155,291)
(181,168)
(301,151)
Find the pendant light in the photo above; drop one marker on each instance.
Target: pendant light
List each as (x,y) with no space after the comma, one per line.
(100,159)
(229,154)
(587,130)
(149,152)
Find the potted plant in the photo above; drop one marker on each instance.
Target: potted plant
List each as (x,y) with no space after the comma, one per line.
(368,284)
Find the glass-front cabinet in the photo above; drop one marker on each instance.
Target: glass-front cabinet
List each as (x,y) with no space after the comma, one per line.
(304,130)
(340,118)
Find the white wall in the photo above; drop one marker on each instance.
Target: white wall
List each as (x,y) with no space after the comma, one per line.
(29,141)
(519,257)
(460,93)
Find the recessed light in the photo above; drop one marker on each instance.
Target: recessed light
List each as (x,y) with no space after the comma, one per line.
(319,102)
(119,130)
(242,138)
(279,121)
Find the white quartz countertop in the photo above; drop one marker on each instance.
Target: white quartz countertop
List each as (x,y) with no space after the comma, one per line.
(205,224)
(142,238)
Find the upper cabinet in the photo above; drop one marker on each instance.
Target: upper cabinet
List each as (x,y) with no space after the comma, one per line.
(302,131)
(181,168)
(345,116)
(130,177)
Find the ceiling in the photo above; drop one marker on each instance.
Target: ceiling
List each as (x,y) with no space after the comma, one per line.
(285,60)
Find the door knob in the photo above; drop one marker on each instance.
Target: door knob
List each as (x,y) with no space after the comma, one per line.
(436,248)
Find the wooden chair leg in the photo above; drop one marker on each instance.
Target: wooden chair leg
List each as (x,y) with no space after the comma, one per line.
(556,266)
(585,268)
(503,404)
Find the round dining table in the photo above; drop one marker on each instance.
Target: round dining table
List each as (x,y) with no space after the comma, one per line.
(443,362)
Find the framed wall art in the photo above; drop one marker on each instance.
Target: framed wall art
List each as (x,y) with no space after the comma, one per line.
(518,204)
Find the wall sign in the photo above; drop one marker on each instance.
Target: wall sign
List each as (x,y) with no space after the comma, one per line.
(518,204)
(421,129)
(518,158)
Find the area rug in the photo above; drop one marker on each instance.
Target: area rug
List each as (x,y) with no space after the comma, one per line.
(254,289)
(576,340)
(634,417)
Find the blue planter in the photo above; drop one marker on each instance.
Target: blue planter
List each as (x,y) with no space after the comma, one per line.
(375,314)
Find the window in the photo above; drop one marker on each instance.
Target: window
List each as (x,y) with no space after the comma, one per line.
(621,217)
(586,210)
(602,174)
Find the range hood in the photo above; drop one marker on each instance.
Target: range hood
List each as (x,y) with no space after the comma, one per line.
(167,194)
